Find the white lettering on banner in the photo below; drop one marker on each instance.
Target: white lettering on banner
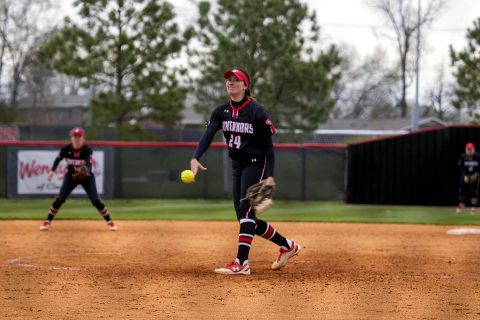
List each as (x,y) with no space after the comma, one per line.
(34,165)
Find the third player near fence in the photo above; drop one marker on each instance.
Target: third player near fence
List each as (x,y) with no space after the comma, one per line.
(248,132)
(469,165)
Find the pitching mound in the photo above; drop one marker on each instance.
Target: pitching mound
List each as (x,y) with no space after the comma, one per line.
(164,270)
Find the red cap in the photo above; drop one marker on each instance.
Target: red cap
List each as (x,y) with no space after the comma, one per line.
(77,132)
(237,73)
(470,145)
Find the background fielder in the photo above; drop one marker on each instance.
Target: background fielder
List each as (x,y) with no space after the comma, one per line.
(469,164)
(78,155)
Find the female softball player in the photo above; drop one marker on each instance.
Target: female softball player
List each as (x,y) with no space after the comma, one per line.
(469,164)
(78,156)
(248,132)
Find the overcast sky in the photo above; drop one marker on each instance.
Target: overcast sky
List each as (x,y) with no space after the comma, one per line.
(355,24)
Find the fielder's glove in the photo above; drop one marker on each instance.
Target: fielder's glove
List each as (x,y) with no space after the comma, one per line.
(473,177)
(259,196)
(81,172)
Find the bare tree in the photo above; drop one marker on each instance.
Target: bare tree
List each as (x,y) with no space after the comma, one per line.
(37,81)
(365,85)
(22,24)
(440,95)
(401,15)
(3,45)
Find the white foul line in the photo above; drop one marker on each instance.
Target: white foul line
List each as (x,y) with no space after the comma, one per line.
(18,261)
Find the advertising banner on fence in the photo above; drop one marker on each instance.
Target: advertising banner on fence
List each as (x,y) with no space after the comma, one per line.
(33,167)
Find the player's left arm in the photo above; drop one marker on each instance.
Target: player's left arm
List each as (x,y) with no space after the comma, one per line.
(475,177)
(268,130)
(88,158)
(270,160)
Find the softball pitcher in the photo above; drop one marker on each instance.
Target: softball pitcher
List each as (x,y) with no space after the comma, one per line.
(248,132)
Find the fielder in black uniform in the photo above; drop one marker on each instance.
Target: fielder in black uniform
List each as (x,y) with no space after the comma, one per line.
(248,132)
(469,165)
(78,155)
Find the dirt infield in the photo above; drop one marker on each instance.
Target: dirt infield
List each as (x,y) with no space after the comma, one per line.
(164,270)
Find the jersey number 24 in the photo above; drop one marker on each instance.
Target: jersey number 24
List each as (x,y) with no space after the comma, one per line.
(235,141)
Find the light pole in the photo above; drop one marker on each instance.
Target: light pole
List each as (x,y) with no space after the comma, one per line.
(415,111)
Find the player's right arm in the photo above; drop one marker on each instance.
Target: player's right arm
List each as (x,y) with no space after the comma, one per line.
(213,125)
(57,160)
(460,165)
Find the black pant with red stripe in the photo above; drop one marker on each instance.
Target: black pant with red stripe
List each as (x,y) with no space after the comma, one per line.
(68,184)
(246,174)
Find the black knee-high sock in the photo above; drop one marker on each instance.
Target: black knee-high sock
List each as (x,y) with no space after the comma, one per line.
(265,230)
(245,237)
(105,214)
(51,213)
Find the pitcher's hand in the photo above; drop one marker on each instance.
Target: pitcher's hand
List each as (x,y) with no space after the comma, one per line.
(195,166)
(50,175)
(270,182)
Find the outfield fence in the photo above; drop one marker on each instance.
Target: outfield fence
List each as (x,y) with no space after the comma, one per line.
(152,170)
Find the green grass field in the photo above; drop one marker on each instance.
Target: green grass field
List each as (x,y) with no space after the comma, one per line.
(181,209)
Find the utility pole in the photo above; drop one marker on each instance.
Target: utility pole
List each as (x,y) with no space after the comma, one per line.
(415,111)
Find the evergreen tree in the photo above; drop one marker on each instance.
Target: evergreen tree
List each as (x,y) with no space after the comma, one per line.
(273,41)
(123,49)
(467,62)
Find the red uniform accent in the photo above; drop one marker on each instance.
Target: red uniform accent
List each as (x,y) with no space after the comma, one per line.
(236,110)
(237,73)
(78,132)
(245,239)
(269,233)
(269,123)
(76,152)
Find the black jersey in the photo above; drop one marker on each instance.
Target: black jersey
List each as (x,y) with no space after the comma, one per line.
(74,157)
(246,128)
(469,165)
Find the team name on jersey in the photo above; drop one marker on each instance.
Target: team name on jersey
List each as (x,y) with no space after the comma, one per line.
(471,163)
(238,127)
(75,162)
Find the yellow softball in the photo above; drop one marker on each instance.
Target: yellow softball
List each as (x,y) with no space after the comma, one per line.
(187,176)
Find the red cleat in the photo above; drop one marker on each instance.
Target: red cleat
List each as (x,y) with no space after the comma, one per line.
(285,255)
(45,225)
(112,226)
(234,268)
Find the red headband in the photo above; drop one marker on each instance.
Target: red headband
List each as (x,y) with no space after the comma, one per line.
(470,146)
(237,73)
